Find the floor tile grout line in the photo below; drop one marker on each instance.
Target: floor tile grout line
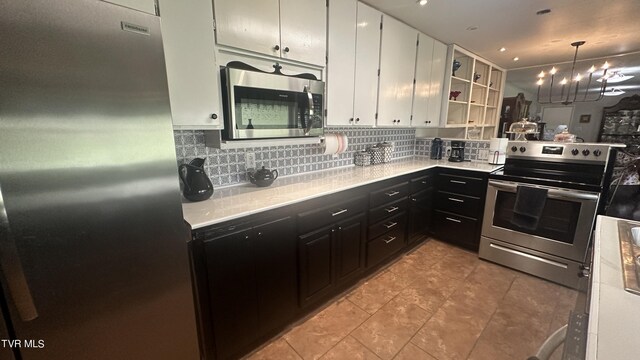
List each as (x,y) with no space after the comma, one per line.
(475,343)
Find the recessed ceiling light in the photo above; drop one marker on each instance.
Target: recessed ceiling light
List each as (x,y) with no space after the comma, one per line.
(543,12)
(503,49)
(471,28)
(423,2)
(516,58)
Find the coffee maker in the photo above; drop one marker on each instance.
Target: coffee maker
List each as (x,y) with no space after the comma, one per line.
(436,149)
(457,151)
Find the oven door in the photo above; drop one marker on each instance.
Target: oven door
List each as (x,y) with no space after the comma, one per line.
(259,105)
(564,227)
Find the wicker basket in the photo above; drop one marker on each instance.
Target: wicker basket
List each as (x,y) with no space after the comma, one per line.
(362,158)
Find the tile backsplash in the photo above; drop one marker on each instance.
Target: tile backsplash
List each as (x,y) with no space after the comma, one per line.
(227,167)
(472,148)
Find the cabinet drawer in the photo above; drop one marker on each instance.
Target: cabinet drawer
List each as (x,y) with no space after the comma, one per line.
(474,186)
(456,229)
(387,210)
(384,246)
(386,225)
(420,183)
(423,198)
(314,219)
(389,194)
(459,204)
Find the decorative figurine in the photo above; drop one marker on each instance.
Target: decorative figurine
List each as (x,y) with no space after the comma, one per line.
(454,95)
(456,66)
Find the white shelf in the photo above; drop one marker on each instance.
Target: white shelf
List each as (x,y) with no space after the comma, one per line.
(460,79)
(486,92)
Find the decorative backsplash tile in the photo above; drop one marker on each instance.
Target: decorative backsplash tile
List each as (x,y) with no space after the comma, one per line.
(227,167)
(471,149)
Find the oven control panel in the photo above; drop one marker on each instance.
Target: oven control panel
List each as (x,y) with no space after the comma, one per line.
(573,152)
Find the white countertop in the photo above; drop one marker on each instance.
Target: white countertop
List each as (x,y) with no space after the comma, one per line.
(614,314)
(246,199)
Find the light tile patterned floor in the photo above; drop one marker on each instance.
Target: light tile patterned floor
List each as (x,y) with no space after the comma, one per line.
(436,303)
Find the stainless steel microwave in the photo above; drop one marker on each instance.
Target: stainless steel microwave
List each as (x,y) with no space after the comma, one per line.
(261,105)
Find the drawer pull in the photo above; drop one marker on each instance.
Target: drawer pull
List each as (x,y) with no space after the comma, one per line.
(391,209)
(458,182)
(339,212)
(390,225)
(424,182)
(390,239)
(393,193)
(454,220)
(456,200)
(414,199)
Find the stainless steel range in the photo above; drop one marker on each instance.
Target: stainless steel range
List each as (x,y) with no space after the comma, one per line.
(540,209)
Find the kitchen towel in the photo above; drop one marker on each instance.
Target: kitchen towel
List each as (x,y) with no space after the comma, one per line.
(527,210)
(335,143)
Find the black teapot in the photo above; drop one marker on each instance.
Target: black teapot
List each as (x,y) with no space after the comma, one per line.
(263,177)
(197,186)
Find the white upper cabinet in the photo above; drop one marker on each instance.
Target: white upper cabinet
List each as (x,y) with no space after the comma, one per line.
(341,67)
(303,29)
(436,89)
(148,6)
(291,29)
(397,69)
(193,79)
(367,65)
(427,96)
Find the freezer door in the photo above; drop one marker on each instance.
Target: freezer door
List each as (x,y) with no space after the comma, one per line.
(89,178)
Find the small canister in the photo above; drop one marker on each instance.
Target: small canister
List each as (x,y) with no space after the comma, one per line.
(376,154)
(362,158)
(387,151)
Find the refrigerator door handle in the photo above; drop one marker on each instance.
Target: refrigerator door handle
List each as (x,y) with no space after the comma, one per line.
(12,269)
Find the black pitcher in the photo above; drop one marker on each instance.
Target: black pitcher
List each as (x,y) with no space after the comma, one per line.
(197,186)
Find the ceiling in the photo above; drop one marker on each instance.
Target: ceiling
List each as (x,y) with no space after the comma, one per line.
(609,27)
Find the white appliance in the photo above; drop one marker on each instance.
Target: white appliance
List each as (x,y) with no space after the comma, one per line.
(497,150)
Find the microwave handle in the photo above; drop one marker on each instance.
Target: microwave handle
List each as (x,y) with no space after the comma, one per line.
(308,91)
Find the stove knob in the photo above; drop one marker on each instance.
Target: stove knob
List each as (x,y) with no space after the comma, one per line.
(585,152)
(597,152)
(575,152)
(514,148)
(523,149)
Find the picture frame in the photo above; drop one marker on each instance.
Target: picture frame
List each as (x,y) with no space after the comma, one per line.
(585,118)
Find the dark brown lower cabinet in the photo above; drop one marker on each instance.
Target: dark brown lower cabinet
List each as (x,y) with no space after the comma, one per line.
(330,257)
(252,284)
(420,215)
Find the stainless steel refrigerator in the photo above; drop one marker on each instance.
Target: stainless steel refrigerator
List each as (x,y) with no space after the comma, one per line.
(93,248)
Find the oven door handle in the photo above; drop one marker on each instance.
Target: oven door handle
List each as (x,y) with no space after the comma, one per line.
(552,192)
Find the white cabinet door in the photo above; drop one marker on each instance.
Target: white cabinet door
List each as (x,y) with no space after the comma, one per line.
(248,24)
(148,6)
(367,62)
(397,67)
(422,90)
(342,61)
(303,29)
(194,82)
(436,88)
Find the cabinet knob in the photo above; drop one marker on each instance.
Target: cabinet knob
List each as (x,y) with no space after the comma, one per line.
(286,49)
(214,116)
(339,228)
(351,120)
(357,119)
(259,233)
(276,48)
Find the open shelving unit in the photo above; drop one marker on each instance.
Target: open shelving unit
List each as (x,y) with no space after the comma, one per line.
(480,84)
